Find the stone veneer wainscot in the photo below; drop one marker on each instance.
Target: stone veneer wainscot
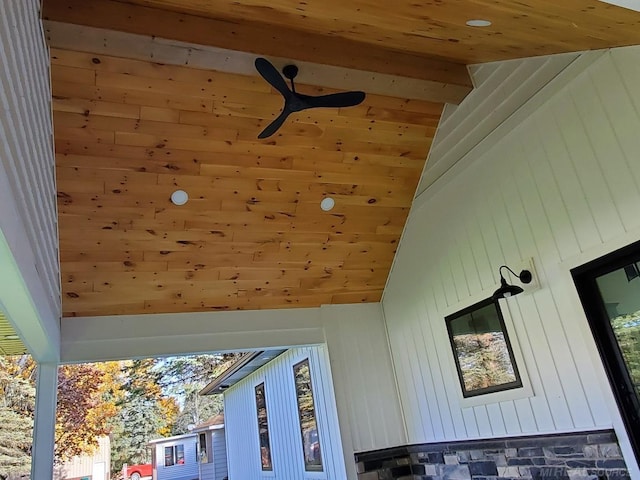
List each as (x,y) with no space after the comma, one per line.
(591,455)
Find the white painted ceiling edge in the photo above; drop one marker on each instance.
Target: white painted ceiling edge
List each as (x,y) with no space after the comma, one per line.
(117,337)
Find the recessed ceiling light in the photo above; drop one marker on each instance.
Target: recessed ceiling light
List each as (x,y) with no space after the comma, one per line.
(11,337)
(478,22)
(327,204)
(179,197)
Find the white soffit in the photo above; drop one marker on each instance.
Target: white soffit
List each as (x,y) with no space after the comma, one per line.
(630,4)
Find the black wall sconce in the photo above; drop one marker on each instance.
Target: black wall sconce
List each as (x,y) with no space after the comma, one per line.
(507,290)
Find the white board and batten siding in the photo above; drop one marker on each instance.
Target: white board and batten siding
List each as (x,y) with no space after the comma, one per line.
(500,88)
(27,173)
(563,188)
(369,410)
(241,424)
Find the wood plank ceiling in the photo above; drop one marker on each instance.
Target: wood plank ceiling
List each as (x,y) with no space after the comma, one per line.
(130,132)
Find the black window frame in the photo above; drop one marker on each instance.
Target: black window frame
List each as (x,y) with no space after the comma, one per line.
(266,420)
(517,383)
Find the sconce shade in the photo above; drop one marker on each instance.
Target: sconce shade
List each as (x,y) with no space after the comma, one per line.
(507,290)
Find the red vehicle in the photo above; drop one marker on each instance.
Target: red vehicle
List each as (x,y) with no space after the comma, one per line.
(136,472)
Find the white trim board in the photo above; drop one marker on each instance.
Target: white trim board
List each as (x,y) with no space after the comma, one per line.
(90,339)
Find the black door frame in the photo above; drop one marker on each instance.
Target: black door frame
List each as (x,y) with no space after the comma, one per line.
(584,278)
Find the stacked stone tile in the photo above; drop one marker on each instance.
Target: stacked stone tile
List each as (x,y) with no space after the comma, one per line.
(576,456)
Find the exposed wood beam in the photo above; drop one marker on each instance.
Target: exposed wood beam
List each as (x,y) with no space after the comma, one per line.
(256,38)
(98,41)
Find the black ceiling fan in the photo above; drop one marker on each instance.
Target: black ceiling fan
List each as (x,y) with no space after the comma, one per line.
(294,101)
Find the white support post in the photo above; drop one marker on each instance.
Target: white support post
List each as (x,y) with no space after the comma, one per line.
(45,421)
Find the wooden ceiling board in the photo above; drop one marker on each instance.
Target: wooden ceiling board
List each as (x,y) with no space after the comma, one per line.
(128,132)
(252,236)
(253,36)
(333,30)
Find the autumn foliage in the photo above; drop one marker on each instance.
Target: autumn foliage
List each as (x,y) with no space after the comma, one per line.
(82,414)
(132,401)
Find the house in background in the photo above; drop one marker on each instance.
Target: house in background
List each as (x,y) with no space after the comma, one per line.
(538,161)
(200,454)
(175,458)
(85,467)
(280,415)
(212,448)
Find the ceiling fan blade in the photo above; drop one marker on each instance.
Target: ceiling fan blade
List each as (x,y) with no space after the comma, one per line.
(271,75)
(275,125)
(335,100)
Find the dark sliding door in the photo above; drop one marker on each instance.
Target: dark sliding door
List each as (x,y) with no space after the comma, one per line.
(609,289)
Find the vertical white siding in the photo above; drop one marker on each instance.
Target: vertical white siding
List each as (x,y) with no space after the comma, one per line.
(564,185)
(366,391)
(241,425)
(500,89)
(28,217)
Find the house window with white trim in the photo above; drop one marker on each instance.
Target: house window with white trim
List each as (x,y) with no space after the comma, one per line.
(307,417)
(263,429)
(174,455)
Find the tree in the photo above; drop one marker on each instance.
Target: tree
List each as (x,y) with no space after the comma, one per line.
(144,413)
(176,372)
(81,414)
(184,377)
(137,422)
(17,406)
(196,409)
(133,401)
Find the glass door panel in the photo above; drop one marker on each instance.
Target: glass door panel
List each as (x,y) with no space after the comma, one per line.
(609,289)
(620,293)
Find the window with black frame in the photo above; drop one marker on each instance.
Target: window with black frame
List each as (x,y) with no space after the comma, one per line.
(481,349)
(307,416)
(263,428)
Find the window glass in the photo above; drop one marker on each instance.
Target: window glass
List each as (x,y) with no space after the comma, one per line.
(179,454)
(620,292)
(307,416)
(203,448)
(481,349)
(263,429)
(168,456)
(174,455)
